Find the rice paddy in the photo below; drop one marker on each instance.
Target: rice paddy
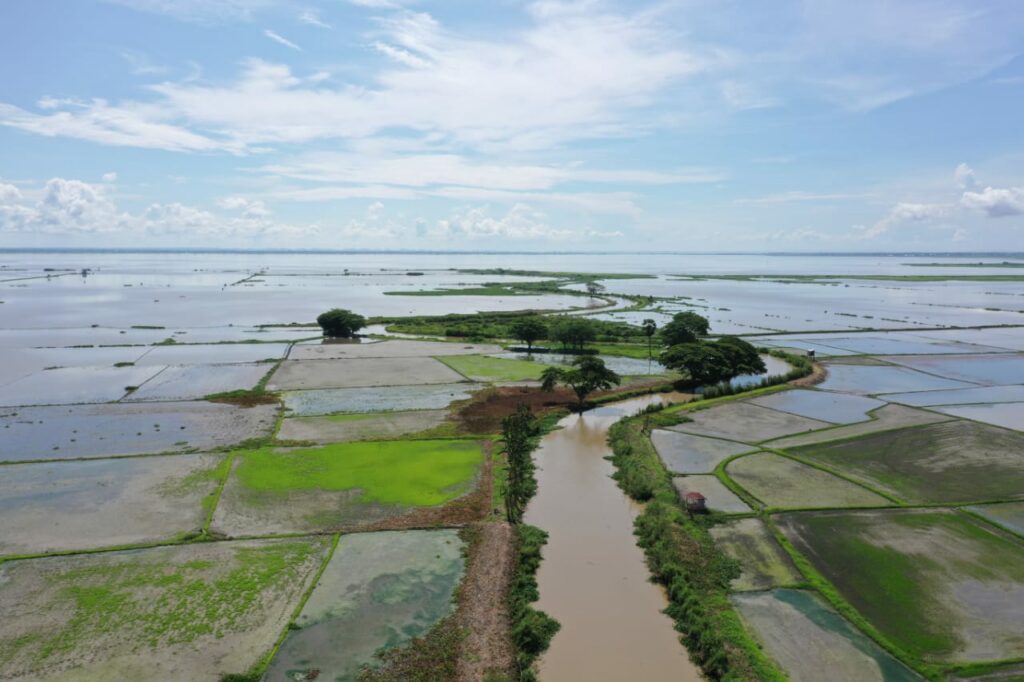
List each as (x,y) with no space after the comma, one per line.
(780,482)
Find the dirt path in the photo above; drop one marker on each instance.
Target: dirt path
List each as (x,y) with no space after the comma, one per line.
(485,608)
(816,376)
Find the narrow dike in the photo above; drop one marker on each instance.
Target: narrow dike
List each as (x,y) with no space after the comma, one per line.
(593,578)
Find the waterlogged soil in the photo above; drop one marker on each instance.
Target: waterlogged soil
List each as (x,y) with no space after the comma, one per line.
(186,612)
(988,370)
(780,482)
(57,506)
(386,349)
(347,427)
(718,497)
(358,373)
(836,408)
(56,432)
(807,637)
(762,561)
(938,584)
(683,453)
(1008,515)
(196,381)
(1007,415)
(593,579)
(964,396)
(384,399)
(955,461)
(872,380)
(379,591)
(73,385)
(215,353)
(883,419)
(746,422)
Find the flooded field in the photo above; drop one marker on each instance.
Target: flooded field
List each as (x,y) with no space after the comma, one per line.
(382,447)
(378,591)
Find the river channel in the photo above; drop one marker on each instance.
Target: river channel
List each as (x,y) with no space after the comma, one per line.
(593,579)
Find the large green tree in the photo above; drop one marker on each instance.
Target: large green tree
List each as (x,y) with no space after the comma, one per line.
(572,332)
(529,330)
(650,327)
(340,323)
(742,356)
(685,327)
(703,363)
(588,374)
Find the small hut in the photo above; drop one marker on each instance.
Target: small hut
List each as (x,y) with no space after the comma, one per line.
(695,502)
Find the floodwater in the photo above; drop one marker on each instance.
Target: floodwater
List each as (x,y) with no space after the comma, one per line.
(593,579)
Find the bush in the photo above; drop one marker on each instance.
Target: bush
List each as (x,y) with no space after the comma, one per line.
(532,629)
(340,323)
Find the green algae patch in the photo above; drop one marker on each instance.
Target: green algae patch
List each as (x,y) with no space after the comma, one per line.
(407,473)
(185,612)
(485,368)
(379,591)
(938,585)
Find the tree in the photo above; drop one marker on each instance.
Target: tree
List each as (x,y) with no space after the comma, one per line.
(528,330)
(742,356)
(593,288)
(650,327)
(339,323)
(572,332)
(704,363)
(685,327)
(518,431)
(587,375)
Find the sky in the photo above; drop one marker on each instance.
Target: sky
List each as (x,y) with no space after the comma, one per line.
(689,125)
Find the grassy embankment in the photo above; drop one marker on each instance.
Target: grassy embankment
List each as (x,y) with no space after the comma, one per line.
(682,557)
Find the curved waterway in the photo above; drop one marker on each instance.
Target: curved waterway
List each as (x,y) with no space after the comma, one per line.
(593,578)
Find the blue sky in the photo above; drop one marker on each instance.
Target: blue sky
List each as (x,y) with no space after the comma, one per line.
(792,125)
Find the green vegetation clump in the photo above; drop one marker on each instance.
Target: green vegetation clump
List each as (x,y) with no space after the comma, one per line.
(802,367)
(484,368)
(499,326)
(401,472)
(587,375)
(340,323)
(157,601)
(519,432)
(532,629)
(682,557)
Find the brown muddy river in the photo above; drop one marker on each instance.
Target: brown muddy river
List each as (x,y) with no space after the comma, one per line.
(593,578)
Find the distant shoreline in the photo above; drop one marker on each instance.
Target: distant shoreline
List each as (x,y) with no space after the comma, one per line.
(414,252)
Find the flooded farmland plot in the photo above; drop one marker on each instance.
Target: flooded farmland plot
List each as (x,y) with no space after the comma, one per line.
(960,585)
(746,422)
(807,637)
(60,506)
(835,408)
(683,453)
(873,380)
(295,375)
(763,562)
(58,432)
(1007,415)
(383,399)
(782,482)
(366,426)
(191,612)
(75,385)
(192,382)
(378,591)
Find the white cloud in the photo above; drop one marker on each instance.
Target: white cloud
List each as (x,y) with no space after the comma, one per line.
(742,96)
(73,206)
(576,73)
(996,202)
(799,196)
(964,177)
(520,222)
(109,177)
(281,40)
(9,193)
(905,213)
(312,18)
(201,11)
(249,208)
